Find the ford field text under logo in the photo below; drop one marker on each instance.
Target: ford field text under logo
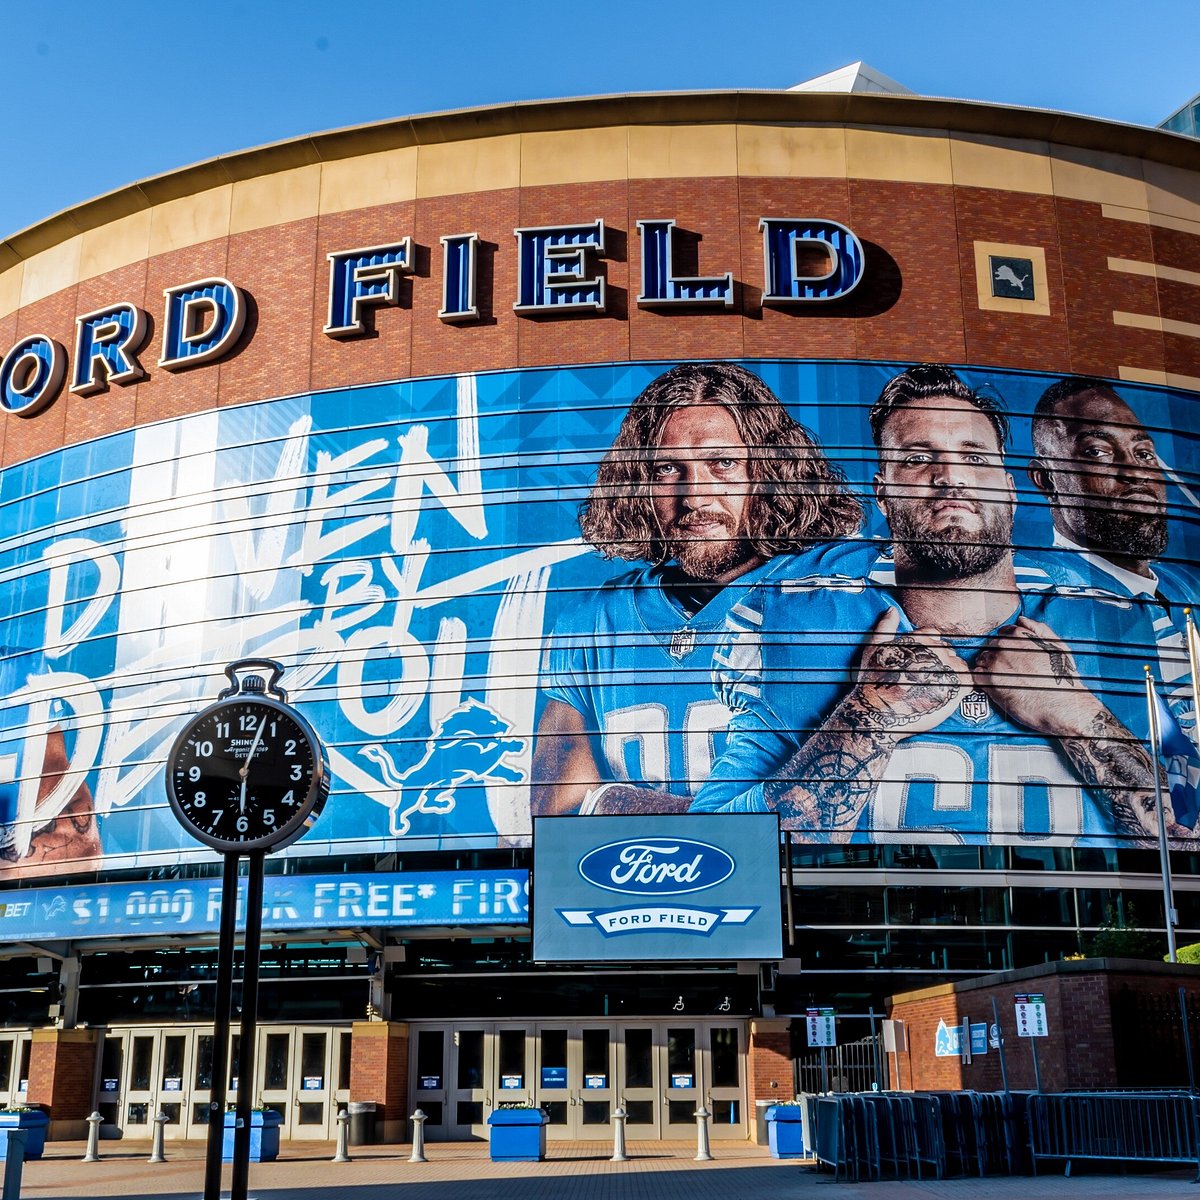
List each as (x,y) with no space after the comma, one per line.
(656,866)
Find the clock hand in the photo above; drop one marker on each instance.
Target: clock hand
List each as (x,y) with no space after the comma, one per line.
(244,770)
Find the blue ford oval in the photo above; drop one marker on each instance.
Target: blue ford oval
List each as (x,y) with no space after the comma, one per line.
(656,866)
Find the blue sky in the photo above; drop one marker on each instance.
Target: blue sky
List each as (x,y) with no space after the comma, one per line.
(97,96)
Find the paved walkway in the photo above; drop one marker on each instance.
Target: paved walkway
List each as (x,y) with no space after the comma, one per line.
(573,1171)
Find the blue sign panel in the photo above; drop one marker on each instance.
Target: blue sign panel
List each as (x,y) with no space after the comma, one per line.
(554,1078)
(394,899)
(656,887)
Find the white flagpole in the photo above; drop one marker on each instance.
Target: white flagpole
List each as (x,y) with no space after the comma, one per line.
(1193,658)
(1163,854)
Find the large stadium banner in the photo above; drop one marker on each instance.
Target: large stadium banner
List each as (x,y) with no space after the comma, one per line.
(885,603)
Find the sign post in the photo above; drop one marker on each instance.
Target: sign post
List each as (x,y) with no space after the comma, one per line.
(1031,1023)
(822,1032)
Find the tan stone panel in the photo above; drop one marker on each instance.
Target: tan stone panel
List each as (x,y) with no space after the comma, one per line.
(1014,166)
(1097,177)
(906,157)
(273,199)
(1156,323)
(386,177)
(480,165)
(1133,266)
(1142,217)
(1165,378)
(682,151)
(574,156)
(115,245)
(1173,191)
(792,151)
(51,270)
(190,220)
(10,289)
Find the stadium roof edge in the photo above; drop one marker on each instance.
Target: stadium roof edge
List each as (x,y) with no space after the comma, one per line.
(909,112)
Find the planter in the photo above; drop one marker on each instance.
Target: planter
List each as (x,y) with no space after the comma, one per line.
(517,1135)
(264,1136)
(35,1122)
(785,1131)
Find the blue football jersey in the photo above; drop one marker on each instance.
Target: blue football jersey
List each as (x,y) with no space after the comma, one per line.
(1177,588)
(639,671)
(792,645)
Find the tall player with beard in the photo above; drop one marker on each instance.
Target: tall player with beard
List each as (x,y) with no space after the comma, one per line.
(1097,466)
(708,480)
(964,716)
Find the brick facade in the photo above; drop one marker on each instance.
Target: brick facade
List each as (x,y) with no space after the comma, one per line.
(918,299)
(62,1070)
(379,1074)
(1112,1023)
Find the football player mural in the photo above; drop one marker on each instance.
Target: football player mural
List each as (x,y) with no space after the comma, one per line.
(890,602)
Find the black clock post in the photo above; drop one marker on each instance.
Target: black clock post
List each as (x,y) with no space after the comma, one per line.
(246,776)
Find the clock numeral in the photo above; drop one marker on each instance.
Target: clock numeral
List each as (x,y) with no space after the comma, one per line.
(297,771)
(289,747)
(217,814)
(199,800)
(246,722)
(243,823)
(193,774)
(268,816)
(204,749)
(222,729)
(289,797)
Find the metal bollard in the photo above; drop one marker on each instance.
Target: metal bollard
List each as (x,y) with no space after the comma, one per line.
(702,1151)
(14,1163)
(342,1154)
(93,1146)
(619,1119)
(418,1155)
(160,1130)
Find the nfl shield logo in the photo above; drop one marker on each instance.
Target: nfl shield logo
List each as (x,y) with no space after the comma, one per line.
(975,707)
(683,641)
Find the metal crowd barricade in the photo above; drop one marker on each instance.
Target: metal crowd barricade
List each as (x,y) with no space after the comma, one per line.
(1115,1126)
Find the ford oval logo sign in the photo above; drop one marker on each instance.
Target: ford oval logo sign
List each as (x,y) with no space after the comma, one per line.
(656,866)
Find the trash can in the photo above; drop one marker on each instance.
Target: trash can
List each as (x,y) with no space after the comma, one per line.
(362,1122)
(761,1133)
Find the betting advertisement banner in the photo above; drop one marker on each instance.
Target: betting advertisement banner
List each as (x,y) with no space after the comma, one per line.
(886,602)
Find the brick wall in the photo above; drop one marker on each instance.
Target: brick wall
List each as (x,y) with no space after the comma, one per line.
(1090,1033)
(62,1070)
(379,1073)
(917,300)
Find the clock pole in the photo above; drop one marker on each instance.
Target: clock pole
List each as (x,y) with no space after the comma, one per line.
(220,1063)
(245,1092)
(247,775)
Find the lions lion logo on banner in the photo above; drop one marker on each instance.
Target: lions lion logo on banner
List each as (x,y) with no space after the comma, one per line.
(468,746)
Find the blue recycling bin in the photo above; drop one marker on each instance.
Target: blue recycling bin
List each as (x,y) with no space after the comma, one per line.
(264,1135)
(785,1131)
(517,1135)
(34,1122)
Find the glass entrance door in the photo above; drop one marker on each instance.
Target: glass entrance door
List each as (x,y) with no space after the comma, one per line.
(580,1073)
(576,1079)
(14,1058)
(144,1072)
(297,1077)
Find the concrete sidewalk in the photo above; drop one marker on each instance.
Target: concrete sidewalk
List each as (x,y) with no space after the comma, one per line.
(576,1170)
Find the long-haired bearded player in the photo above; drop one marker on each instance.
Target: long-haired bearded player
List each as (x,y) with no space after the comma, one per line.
(708,480)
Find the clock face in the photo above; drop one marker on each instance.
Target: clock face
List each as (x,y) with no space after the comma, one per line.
(247,774)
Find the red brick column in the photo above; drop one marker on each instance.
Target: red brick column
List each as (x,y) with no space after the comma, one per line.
(379,1072)
(769,1067)
(62,1072)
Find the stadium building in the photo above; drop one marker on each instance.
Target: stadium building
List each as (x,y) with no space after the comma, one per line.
(391,405)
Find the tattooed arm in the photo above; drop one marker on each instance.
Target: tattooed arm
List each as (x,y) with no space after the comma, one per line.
(1029,673)
(905,685)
